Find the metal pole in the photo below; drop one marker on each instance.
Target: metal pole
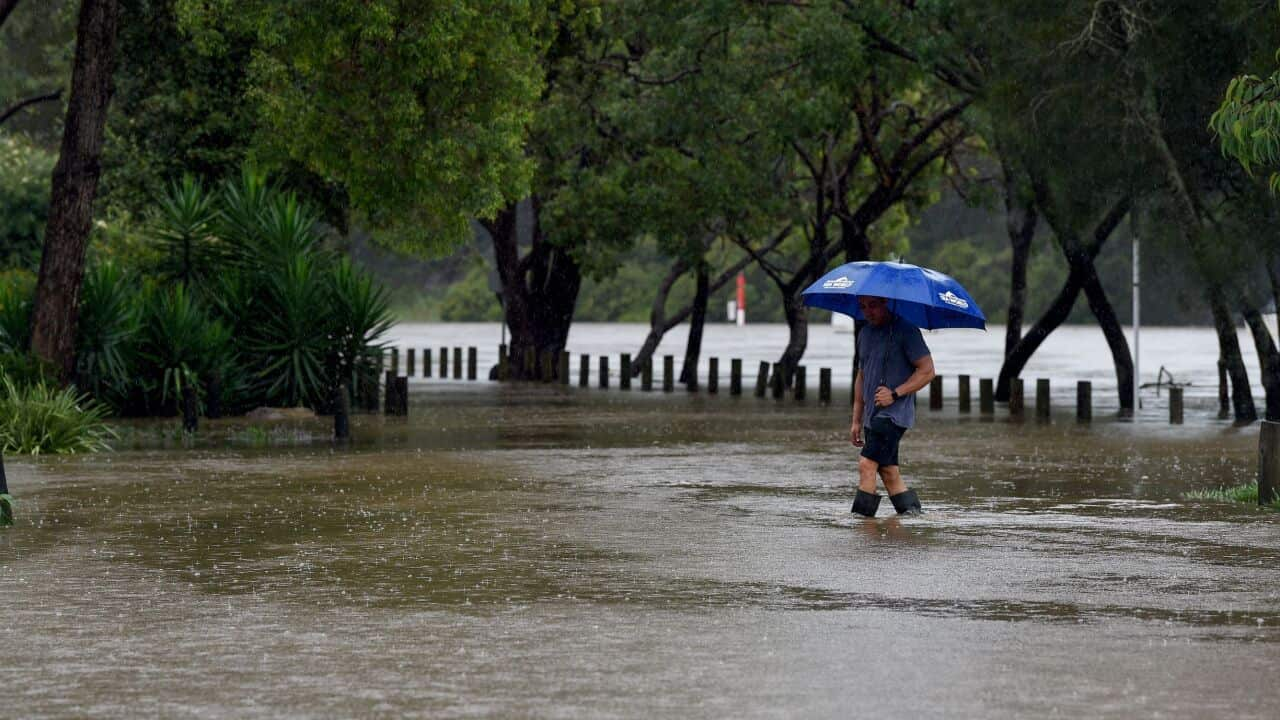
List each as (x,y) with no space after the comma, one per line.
(1137,322)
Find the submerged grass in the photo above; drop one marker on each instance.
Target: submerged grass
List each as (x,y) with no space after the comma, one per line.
(1240,493)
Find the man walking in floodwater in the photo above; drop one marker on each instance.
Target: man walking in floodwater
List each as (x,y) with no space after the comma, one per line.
(893,364)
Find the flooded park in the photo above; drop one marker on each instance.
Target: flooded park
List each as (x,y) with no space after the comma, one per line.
(529,550)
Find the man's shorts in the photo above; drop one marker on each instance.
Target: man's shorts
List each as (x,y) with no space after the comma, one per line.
(881,437)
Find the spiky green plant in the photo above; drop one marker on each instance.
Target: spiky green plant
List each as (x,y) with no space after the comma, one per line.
(293,333)
(183,225)
(179,342)
(17,292)
(105,333)
(360,317)
(40,418)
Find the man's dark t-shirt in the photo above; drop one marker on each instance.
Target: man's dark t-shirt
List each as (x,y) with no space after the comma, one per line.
(887,356)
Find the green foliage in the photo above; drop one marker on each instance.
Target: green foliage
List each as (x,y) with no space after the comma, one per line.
(17,292)
(182,227)
(179,344)
(1248,123)
(359,317)
(1247,493)
(25,170)
(40,418)
(108,323)
(416,107)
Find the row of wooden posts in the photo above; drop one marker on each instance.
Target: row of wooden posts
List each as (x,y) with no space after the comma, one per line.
(769,381)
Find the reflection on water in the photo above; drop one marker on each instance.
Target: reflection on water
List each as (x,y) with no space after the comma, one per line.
(536,551)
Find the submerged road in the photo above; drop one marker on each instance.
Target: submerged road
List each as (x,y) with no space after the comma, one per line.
(544,552)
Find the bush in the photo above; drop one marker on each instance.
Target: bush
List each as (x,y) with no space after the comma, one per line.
(25,169)
(37,418)
(17,292)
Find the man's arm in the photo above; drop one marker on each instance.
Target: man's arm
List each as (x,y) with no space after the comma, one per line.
(855,431)
(921,377)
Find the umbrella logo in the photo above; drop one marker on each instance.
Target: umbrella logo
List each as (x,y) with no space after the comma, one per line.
(839,283)
(953,300)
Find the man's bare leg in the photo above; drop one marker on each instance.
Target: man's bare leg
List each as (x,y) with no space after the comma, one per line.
(867,474)
(892,477)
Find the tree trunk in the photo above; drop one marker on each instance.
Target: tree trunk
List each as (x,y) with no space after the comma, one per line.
(692,349)
(1270,360)
(75,184)
(1057,313)
(1229,345)
(6,7)
(1020,223)
(658,325)
(1111,329)
(539,291)
(798,338)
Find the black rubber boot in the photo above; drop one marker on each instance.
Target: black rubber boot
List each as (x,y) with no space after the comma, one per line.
(906,503)
(865,503)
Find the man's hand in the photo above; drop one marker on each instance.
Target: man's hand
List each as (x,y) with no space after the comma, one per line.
(884,397)
(855,434)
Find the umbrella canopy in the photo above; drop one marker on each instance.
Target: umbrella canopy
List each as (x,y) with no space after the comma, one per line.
(923,297)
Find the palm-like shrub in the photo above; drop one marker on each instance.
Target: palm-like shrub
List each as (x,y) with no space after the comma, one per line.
(39,418)
(292,337)
(359,318)
(105,333)
(180,345)
(17,293)
(183,226)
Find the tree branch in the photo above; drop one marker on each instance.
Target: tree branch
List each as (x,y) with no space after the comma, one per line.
(18,106)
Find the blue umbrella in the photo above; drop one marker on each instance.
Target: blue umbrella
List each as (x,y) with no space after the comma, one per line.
(923,297)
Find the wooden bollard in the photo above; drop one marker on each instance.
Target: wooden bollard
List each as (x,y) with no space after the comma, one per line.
(472,361)
(646,375)
(444,363)
(547,369)
(457,363)
(342,412)
(1268,462)
(692,384)
(762,379)
(1175,406)
(624,370)
(963,395)
(668,373)
(584,370)
(394,352)
(935,393)
(190,408)
(735,376)
(402,395)
(798,387)
(213,407)
(504,368)
(369,390)
(604,372)
(562,367)
(1016,401)
(1042,398)
(777,383)
(410,366)
(1084,401)
(986,396)
(713,376)
(426,361)
(391,403)
(824,386)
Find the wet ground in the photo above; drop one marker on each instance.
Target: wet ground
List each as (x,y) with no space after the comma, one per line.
(545,552)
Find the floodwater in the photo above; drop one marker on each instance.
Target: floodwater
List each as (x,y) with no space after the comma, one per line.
(536,551)
(1070,354)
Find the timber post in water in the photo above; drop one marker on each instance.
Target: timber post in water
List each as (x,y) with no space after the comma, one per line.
(1175,406)
(6,503)
(604,372)
(562,368)
(762,379)
(394,353)
(444,363)
(963,395)
(504,369)
(1268,462)
(1042,398)
(457,363)
(778,383)
(391,403)
(713,376)
(213,408)
(935,393)
(668,373)
(646,375)
(624,371)
(342,412)
(584,370)
(410,367)
(502,356)
(824,386)
(190,408)
(986,396)
(798,386)
(548,370)
(735,376)
(1084,401)
(1016,397)
(472,361)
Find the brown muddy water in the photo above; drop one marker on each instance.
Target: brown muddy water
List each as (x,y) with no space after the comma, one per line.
(546,552)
